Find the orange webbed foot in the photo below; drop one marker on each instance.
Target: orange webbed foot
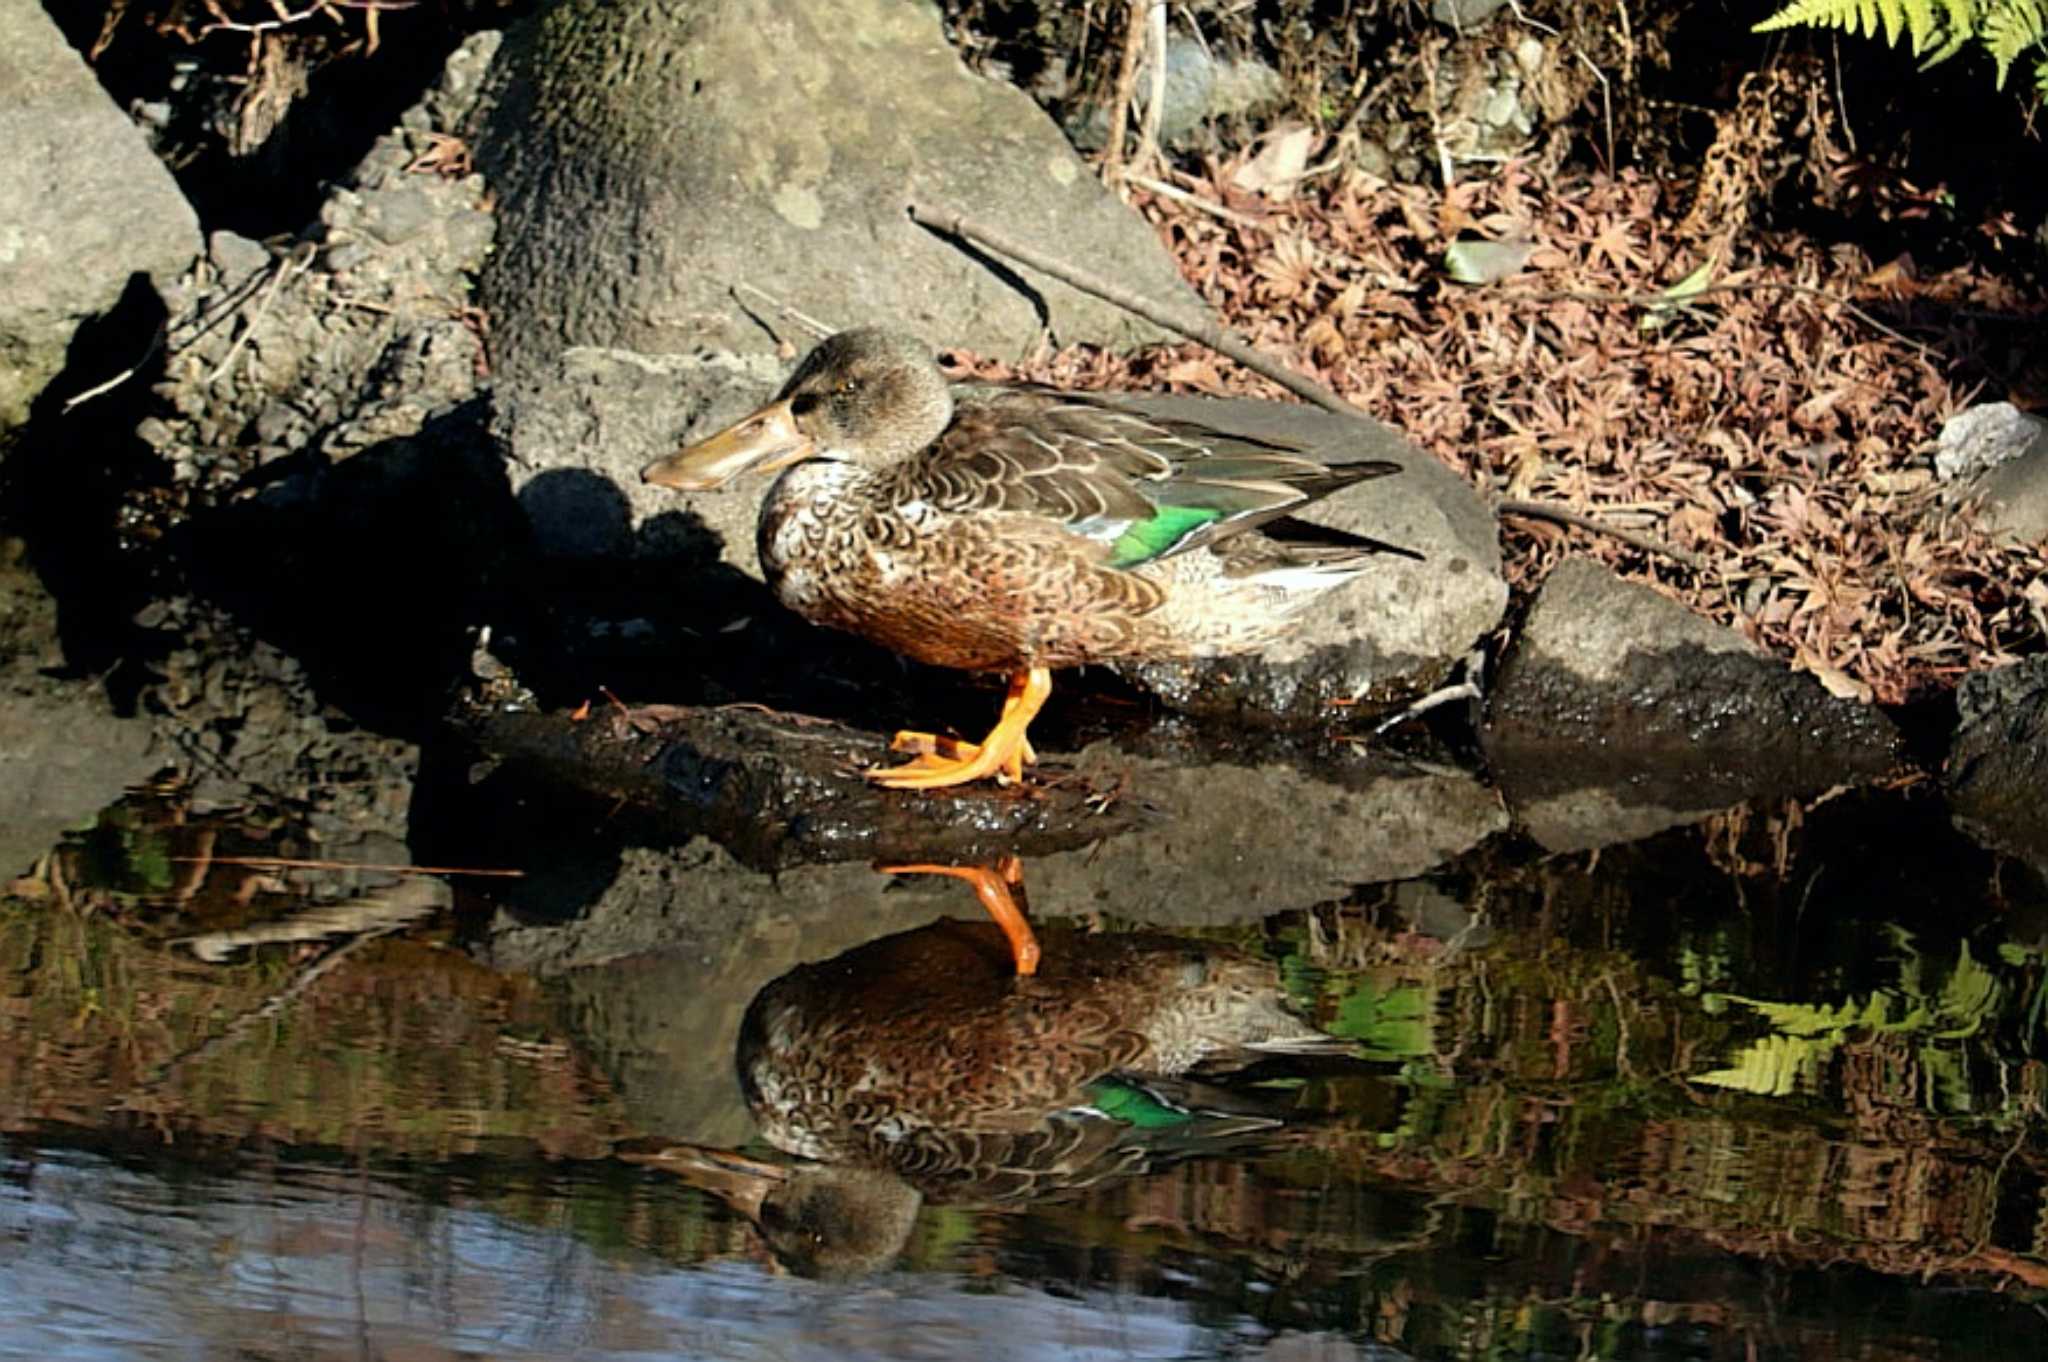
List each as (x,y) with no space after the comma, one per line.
(942,762)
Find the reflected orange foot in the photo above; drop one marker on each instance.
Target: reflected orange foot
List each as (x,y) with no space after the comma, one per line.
(999,887)
(942,761)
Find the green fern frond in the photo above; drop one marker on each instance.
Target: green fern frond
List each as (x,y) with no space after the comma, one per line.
(1936,29)
(1916,19)
(1959,24)
(2010,28)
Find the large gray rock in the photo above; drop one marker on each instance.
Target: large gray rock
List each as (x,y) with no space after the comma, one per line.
(1619,713)
(1391,633)
(1998,762)
(87,205)
(652,156)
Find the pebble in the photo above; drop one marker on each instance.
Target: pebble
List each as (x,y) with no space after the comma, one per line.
(396,215)
(236,256)
(344,256)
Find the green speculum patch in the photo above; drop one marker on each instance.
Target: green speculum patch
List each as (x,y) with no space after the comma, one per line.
(1145,540)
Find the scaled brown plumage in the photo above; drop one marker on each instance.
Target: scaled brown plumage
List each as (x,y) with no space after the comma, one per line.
(1016,530)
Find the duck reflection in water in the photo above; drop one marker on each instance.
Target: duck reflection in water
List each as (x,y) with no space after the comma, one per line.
(924,1066)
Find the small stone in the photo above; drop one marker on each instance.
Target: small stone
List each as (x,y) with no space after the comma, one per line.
(1372,158)
(344,256)
(397,215)
(235,256)
(1502,106)
(277,424)
(469,235)
(1464,15)
(1979,439)
(1995,456)
(343,207)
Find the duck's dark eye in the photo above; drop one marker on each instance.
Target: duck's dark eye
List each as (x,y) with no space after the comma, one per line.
(803,404)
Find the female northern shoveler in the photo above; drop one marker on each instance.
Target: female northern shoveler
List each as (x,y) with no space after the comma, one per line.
(918,1066)
(923,1053)
(1015,530)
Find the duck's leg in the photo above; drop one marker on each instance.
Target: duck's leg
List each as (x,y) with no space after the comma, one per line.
(999,887)
(941,762)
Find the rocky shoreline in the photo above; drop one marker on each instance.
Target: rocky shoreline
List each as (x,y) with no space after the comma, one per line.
(388,522)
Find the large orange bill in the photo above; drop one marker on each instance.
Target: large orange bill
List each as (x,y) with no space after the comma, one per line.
(762,443)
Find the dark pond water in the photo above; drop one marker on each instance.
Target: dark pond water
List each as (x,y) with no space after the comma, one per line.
(1769,1088)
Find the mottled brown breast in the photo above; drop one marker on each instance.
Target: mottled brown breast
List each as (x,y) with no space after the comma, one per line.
(984,593)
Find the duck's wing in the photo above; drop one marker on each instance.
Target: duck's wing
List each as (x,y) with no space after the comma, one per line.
(1139,487)
(1124,1125)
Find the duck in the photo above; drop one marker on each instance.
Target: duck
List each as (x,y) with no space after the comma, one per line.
(918,1068)
(1016,530)
(924,1054)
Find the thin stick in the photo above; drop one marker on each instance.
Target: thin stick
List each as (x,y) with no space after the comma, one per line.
(1194,201)
(287,863)
(809,323)
(1565,515)
(286,267)
(953,224)
(1155,102)
(155,342)
(1436,123)
(1126,90)
(286,18)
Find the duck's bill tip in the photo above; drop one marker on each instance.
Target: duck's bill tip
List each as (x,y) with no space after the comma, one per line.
(767,440)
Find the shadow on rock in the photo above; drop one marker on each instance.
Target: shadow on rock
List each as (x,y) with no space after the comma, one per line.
(76,482)
(1998,767)
(373,571)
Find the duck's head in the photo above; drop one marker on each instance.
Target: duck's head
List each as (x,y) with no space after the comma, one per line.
(820,1220)
(869,396)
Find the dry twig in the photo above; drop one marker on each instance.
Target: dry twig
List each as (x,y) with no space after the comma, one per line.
(288,863)
(1126,90)
(953,224)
